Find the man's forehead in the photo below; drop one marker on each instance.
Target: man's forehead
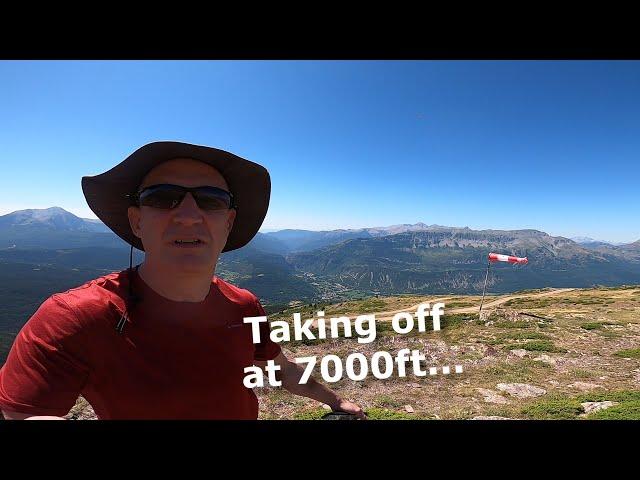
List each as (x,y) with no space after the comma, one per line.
(185,171)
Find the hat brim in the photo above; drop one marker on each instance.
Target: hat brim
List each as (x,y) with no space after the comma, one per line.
(249,182)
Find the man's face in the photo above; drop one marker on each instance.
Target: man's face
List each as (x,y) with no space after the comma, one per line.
(159,229)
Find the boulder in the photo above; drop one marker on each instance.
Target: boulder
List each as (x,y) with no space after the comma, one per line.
(585,386)
(544,358)
(590,407)
(521,390)
(491,396)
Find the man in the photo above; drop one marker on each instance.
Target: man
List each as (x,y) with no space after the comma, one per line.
(166,340)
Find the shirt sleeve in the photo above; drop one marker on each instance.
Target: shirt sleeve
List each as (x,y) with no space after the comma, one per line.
(266,349)
(47,365)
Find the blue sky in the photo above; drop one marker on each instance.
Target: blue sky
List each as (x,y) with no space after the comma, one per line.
(551,145)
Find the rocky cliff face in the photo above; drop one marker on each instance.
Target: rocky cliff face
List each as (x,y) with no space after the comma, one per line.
(454,260)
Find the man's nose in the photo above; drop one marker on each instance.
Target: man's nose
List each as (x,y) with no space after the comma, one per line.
(188,211)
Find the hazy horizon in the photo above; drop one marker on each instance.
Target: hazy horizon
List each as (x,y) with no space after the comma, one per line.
(270,229)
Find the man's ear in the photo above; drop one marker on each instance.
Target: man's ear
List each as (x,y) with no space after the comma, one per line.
(231,218)
(134,220)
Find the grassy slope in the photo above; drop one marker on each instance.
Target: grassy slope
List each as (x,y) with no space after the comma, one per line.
(590,339)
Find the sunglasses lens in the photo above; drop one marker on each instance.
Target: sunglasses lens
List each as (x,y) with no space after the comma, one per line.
(213,199)
(161,197)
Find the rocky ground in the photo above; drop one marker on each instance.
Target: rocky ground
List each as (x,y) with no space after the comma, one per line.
(571,354)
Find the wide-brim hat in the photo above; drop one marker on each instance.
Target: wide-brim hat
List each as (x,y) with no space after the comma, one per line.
(249,182)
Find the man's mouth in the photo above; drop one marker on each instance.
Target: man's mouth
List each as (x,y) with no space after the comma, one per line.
(188,242)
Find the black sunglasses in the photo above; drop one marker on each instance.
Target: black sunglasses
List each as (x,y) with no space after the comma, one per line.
(167,196)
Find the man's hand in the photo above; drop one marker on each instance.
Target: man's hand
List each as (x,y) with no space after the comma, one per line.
(290,374)
(10,415)
(350,407)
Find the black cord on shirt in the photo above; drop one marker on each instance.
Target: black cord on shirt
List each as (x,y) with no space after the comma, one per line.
(132,298)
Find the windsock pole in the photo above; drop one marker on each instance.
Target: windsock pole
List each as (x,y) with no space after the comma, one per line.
(497,257)
(484,289)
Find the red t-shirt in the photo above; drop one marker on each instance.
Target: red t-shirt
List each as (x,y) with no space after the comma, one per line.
(174,360)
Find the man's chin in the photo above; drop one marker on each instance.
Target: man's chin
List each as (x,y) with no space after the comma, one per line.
(191,262)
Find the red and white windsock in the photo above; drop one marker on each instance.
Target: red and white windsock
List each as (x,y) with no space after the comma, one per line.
(497,257)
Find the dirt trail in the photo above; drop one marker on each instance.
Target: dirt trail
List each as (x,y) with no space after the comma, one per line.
(475,308)
(406,309)
(500,301)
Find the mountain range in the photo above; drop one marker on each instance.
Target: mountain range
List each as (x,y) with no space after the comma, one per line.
(49,250)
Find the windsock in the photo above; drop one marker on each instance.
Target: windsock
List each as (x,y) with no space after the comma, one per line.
(497,257)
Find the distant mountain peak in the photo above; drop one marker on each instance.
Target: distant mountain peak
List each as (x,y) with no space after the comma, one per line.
(593,241)
(39,214)
(41,210)
(583,239)
(52,218)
